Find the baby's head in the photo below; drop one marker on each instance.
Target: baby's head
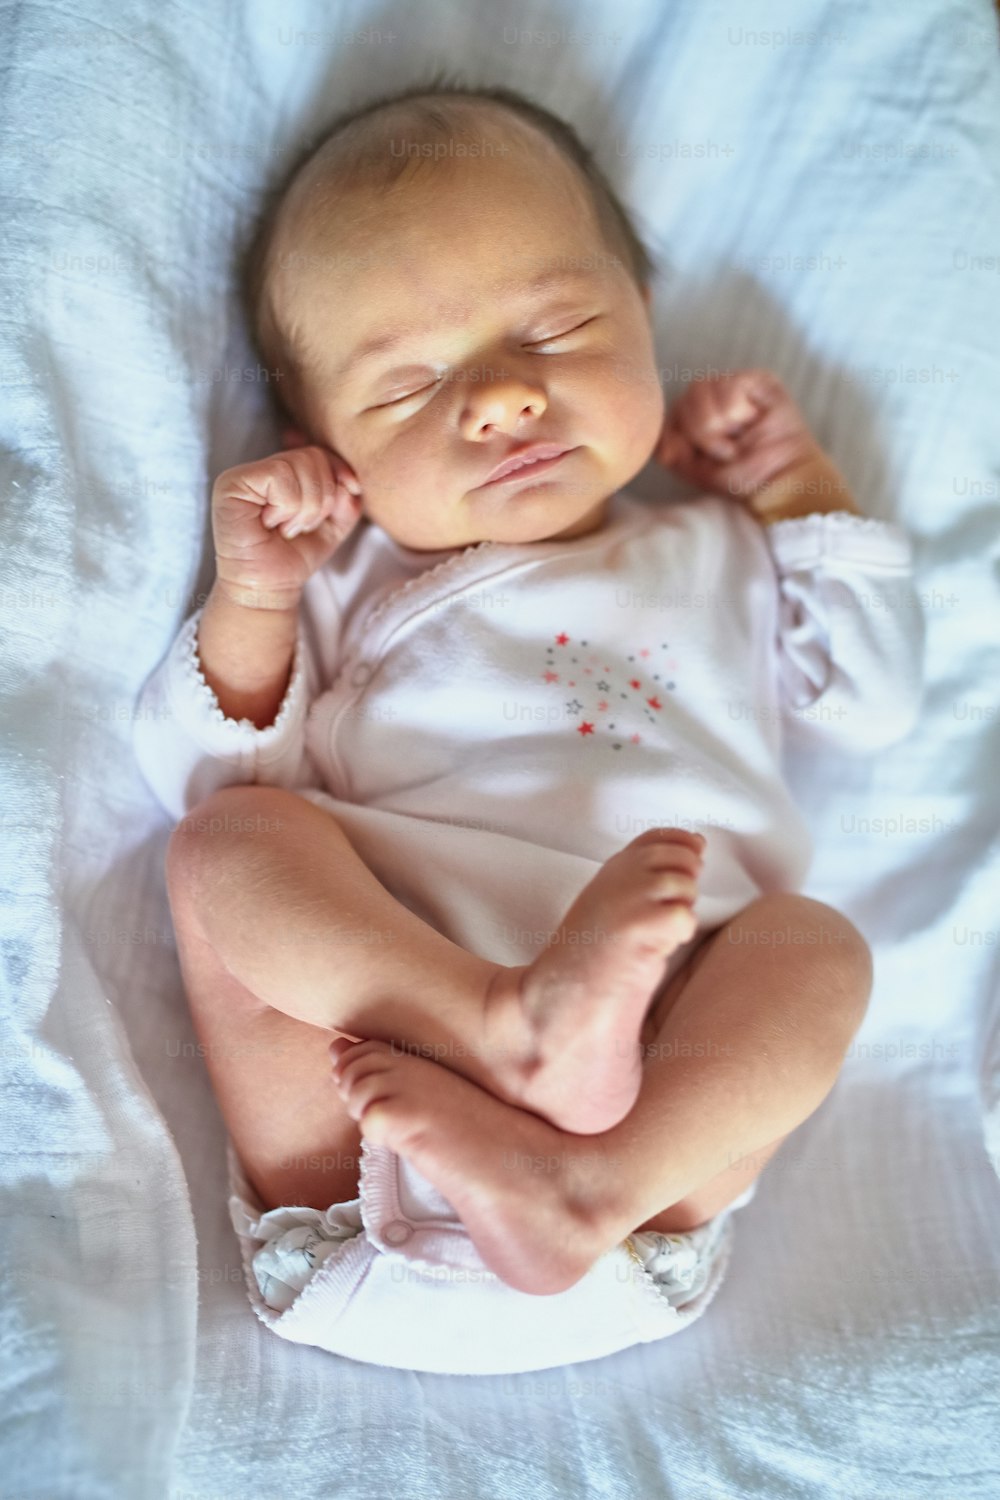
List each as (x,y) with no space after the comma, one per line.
(447,279)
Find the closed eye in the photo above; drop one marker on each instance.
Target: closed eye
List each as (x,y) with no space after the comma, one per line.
(554,338)
(396,400)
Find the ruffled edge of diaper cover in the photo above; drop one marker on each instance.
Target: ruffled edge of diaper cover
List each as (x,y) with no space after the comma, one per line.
(342,1274)
(664,1316)
(334,1283)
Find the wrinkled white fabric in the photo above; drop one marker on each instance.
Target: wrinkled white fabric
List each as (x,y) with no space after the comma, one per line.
(295,1243)
(680,1263)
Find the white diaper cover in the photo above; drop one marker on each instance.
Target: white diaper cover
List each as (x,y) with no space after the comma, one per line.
(392,1278)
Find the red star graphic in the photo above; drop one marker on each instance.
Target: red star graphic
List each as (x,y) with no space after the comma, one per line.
(562,639)
(634,682)
(634,738)
(654,702)
(552,677)
(602,707)
(643,653)
(585,728)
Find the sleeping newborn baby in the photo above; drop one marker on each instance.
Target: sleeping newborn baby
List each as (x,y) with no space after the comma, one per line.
(478,757)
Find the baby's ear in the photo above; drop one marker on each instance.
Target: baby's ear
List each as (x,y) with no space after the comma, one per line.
(293,437)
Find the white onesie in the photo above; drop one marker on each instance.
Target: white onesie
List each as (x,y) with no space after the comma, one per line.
(495,723)
(489,726)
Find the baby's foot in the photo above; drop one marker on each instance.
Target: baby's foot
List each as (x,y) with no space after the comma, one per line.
(529,1200)
(565,1029)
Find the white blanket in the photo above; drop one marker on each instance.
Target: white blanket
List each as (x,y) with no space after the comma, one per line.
(818,182)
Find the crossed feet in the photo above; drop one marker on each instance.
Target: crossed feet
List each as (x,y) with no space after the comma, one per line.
(563,1037)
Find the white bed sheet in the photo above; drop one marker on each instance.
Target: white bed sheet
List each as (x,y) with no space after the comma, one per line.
(853,1350)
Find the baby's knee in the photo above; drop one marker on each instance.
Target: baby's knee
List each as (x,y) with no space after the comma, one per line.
(214,825)
(821,938)
(842,956)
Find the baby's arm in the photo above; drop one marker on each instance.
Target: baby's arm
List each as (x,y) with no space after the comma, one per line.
(246,655)
(850,630)
(228,705)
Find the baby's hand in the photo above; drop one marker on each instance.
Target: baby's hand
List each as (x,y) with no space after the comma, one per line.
(276,521)
(735,434)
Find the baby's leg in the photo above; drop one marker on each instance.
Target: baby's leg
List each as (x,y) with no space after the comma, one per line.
(271,1079)
(746,1043)
(297,920)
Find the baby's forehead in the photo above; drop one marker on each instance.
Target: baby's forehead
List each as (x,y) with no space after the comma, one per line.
(344,188)
(347,233)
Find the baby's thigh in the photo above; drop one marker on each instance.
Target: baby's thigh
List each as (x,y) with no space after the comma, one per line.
(272,1079)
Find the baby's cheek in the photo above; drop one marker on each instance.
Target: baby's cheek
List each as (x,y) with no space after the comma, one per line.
(392,472)
(401,485)
(635,412)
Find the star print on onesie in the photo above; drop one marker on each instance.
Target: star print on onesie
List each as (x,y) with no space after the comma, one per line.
(605,702)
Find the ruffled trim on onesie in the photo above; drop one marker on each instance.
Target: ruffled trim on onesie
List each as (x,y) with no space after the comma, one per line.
(189,664)
(468,560)
(801,540)
(455,562)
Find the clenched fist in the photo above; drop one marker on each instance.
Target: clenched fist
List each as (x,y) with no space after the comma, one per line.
(742,435)
(276,521)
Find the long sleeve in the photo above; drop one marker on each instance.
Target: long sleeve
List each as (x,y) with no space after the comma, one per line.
(851,631)
(187,748)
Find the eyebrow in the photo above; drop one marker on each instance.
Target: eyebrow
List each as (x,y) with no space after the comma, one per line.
(562,276)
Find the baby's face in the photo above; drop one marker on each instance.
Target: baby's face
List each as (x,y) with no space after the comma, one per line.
(503,320)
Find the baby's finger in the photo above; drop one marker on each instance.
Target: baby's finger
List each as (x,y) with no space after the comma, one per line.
(273,514)
(705,420)
(315,488)
(736,406)
(761,389)
(344,511)
(344,474)
(281,511)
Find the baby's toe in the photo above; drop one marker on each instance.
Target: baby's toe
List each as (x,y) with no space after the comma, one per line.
(349,1054)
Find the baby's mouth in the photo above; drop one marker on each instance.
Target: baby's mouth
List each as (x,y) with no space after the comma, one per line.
(526,463)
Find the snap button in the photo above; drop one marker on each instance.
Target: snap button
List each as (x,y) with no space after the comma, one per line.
(396,1233)
(361,674)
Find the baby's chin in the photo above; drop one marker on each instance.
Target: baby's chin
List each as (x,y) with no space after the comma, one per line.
(513,527)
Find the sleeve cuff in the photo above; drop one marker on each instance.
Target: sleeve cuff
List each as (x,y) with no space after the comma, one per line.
(841,536)
(198,709)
